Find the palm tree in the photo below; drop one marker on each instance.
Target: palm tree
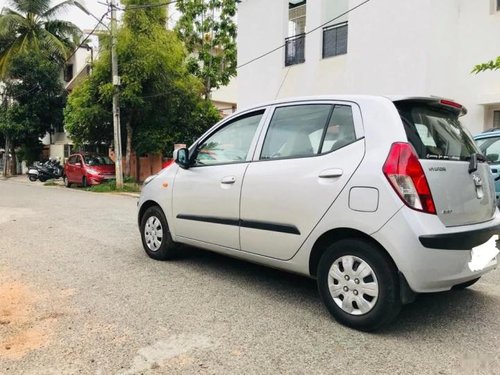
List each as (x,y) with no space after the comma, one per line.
(31,26)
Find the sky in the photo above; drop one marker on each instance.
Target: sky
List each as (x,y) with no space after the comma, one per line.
(82,20)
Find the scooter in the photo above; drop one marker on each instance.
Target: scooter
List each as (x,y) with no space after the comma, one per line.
(51,169)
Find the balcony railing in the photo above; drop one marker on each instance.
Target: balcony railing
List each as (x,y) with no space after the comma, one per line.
(335,40)
(295,49)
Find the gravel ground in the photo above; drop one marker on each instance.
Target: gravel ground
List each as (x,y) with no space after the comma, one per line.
(79,296)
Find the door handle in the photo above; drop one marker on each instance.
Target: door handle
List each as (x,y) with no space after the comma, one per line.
(331,173)
(228,180)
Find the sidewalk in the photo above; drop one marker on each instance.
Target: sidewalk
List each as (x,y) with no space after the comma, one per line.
(23,179)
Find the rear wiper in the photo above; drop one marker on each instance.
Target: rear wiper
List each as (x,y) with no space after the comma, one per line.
(474,158)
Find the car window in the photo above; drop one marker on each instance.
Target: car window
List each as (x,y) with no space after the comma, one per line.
(307,130)
(340,130)
(436,133)
(72,160)
(490,147)
(230,144)
(94,160)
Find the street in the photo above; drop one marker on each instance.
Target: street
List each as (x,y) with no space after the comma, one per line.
(78,295)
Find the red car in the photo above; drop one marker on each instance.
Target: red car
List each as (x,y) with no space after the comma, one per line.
(88,169)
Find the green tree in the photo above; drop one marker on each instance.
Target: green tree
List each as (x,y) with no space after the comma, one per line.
(159,99)
(490,65)
(30,26)
(208,31)
(35,98)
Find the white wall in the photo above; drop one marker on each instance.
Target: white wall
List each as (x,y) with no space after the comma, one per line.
(422,47)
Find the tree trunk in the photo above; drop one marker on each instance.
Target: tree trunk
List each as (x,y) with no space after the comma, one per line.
(128,155)
(6,157)
(13,163)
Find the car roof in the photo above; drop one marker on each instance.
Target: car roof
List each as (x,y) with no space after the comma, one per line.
(490,133)
(392,98)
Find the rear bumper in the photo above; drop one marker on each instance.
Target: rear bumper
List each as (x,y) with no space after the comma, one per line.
(465,240)
(433,269)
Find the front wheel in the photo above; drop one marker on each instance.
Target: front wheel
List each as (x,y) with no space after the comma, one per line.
(155,234)
(359,284)
(66,181)
(84,182)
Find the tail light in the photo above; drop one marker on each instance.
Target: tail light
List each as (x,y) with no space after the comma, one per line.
(404,171)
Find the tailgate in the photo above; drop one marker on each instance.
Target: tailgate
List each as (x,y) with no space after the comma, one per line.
(460,180)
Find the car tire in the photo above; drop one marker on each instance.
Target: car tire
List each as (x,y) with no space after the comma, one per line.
(32,178)
(84,182)
(465,285)
(66,181)
(155,234)
(359,284)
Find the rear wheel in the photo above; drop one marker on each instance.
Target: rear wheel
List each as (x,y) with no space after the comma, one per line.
(155,235)
(32,178)
(359,284)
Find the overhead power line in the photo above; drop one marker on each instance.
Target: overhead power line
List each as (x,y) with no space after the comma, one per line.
(307,33)
(82,43)
(145,6)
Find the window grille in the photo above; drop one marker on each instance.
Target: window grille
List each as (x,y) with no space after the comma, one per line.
(335,40)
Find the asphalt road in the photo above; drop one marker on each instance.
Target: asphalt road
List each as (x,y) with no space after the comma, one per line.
(79,296)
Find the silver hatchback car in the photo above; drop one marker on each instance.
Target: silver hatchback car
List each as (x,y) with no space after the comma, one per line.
(377,198)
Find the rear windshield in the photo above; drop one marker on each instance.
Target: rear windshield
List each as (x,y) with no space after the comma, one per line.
(435,132)
(97,160)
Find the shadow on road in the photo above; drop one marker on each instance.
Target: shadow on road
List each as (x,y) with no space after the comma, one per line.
(435,311)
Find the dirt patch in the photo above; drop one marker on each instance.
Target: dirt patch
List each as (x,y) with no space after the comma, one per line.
(27,320)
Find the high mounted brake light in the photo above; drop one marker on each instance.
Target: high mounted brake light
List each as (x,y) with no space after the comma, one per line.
(450,103)
(404,171)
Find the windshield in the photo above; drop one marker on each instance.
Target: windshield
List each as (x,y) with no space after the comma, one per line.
(436,133)
(97,160)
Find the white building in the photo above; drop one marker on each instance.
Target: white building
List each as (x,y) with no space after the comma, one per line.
(76,69)
(424,47)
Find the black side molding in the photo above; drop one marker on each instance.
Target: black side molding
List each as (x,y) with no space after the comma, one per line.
(460,240)
(274,227)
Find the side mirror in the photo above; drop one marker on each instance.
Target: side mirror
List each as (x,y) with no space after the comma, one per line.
(182,158)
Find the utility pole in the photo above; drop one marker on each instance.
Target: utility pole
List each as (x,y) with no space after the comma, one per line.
(116,103)
(5,104)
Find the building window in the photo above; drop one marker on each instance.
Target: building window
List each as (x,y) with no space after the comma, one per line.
(335,40)
(496,119)
(498,5)
(295,49)
(68,150)
(68,72)
(295,43)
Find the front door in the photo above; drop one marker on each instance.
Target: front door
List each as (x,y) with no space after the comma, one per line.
(308,155)
(206,197)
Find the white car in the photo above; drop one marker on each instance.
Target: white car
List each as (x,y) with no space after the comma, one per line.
(377,198)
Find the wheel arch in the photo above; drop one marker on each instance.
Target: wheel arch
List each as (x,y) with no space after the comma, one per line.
(144,207)
(335,235)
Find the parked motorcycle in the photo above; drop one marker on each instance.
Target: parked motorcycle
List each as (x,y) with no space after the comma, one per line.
(51,169)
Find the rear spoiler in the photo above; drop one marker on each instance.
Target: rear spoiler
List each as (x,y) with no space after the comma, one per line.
(435,101)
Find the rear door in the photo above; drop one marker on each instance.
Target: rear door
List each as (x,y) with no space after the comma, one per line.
(308,154)
(463,191)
